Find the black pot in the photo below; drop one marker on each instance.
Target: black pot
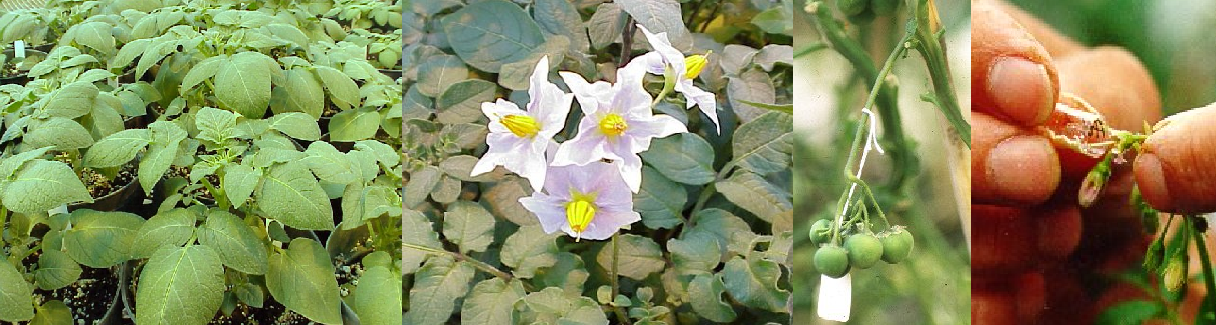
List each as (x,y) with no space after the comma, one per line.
(115,200)
(22,78)
(115,314)
(395,74)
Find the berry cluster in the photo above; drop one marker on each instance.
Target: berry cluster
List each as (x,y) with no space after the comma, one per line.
(861,249)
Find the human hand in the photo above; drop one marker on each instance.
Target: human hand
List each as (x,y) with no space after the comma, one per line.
(1028,225)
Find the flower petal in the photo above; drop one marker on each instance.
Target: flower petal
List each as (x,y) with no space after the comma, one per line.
(631,170)
(607,223)
(497,110)
(670,54)
(657,126)
(551,215)
(651,61)
(590,95)
(586,147)
(701,98)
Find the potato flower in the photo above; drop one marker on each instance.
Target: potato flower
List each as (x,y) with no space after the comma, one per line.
(518,139)
(617,124)
(679,71)
(590,201)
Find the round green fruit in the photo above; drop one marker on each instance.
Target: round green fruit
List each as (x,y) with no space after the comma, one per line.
(897,245)
(852,7)
(864,250)
(821,231)
(832,261)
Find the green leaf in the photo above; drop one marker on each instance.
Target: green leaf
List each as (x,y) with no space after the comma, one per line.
(775,20)
(237,244)
(660,201)
(291,195)
(117,149)
(201,71)
(753,282)
(96,35)
(250,294)
(416,231)
(752,85)
(296,125)
(243,84)
(239,183)
(303,281)
(437,73)
(354,125)
(101,239)
(684,158)
(504,200)
(300,92)
(569,273)
(731,232)
(9,166)
(491,302)
(1130,312)
(71,101)
(129,52)
(420,184)
(488,34)
(65,134)
(342,89)
(461,102)
(756,195)
(437,285)
(180,285)
(696,252)
(329,164)
(528,250)
(51,313)
(706,293)
(56,270)
(469,226)
(42,185)
(638,258)
(559,17)
(214,124)
(605,25)
(377,299)
(166,138)
(16,295)
(169,228)
(553,306)
(765,145)
(786,108)
(660,16)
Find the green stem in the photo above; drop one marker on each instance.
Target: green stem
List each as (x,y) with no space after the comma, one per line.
(809,49)
(932,48)
(1209,278)
(616,287)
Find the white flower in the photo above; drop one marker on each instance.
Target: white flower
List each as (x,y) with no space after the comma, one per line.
(518,139)
(668,61)
(617,124)
(590,201)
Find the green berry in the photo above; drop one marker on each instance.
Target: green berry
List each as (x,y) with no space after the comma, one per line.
(896,245)
(852,7)
(821,231)
(864,250)
(832,261)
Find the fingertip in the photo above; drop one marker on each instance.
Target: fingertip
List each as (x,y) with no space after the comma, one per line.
(1150,179)
(1023,169)
(1021,90)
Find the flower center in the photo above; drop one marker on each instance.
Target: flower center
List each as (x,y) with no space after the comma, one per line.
(522,126)
(613,125)
(693,65)
(579,213)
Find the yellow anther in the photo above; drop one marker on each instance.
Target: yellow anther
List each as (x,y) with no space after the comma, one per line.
(613,125)
(579,213)
(522,126)
(694,63)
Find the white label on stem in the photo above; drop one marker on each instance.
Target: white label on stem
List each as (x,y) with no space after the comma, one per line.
(835,298)
(20,45)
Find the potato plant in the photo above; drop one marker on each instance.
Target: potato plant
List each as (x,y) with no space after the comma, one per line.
(624,162)
(187,162)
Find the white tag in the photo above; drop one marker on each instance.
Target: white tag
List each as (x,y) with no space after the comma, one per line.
(835,298)
(20,45)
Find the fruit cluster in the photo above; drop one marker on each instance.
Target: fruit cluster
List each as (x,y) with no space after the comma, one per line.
(861,249)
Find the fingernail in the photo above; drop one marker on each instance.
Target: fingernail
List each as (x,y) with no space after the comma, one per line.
(1024,169)
(1150,178)
(1021,89)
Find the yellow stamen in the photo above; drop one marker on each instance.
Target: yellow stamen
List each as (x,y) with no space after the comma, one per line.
(522,126)
(694,63)
(579,213)
(613,125)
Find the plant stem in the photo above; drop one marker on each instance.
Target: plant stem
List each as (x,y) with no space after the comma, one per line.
(616,287)
(932,48)
(1209,278)
(482,266)
(809,49)
(626,42)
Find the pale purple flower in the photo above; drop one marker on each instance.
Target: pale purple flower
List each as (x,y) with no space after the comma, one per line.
(590,201)
(617,124)
(518,140)
(667,60)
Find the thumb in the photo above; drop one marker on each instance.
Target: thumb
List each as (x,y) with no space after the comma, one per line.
(1175,169)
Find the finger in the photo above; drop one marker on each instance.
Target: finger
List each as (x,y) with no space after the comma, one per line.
(1115,83)
(1003,241)
(1011,165)
(1056,44)
(1175,169)
(1059,231)
(994,308)
(1012,75)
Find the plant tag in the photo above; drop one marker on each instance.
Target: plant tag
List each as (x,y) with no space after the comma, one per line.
(20,46)
(835,298)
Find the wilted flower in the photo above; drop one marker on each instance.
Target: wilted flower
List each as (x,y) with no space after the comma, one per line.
(590,201)
(617,124)
(680,71)
(518,139)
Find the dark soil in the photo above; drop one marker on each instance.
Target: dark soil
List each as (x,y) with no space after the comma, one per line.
(99,185)
(89,297)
